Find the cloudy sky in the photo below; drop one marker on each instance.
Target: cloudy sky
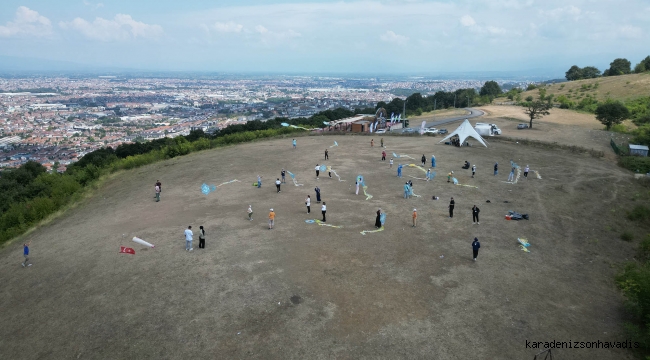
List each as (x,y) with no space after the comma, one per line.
(389,36)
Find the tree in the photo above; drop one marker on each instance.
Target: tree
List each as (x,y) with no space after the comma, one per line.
(574,73)
(590,72)
(619,66)
(612,113)
(491,89)
(536,110)
(643,66)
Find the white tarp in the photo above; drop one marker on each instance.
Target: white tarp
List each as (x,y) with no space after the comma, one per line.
(464,131)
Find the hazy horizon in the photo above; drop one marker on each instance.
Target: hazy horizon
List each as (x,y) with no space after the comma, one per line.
(392,37)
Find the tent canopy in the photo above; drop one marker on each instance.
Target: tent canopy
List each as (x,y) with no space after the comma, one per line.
(464,131)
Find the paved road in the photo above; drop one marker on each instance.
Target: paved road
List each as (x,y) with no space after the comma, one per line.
(472,114)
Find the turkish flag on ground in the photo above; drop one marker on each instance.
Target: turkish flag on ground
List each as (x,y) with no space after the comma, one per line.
(126,250)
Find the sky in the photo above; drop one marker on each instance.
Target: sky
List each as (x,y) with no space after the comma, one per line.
(371,36)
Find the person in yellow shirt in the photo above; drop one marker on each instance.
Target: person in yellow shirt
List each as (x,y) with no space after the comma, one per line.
(415,217)
(271,219)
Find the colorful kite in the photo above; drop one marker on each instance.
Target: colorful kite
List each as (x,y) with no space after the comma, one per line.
(206,189)
(362,182)
(293,178)
(335,144)
(372,231)
(141,242)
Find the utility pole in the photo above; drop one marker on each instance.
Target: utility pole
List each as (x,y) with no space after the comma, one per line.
(404,112)
(455,101)
(467,100)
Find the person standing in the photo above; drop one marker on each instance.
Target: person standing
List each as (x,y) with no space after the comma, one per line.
(378,219)
(382,142)
(250,213)
(201,237)
(511,177)
(451,207)
(188,238)
(327,156)
(475,211)
(317,190)
(323,210)
(415,217)
(329,171)
(356,184)
(159,184)
(424,160)
(259,181)
(271,219)
(157,193)
(526,169)
(496,169)
(283,174)
(399,170)
(473,170)
(294,143)
(277,184)
(317,168)
(26,253)
(433,161)
(390,163)
(383,155)
(428,174)
(407,190)
(308,203)
(475,246)
(372,142)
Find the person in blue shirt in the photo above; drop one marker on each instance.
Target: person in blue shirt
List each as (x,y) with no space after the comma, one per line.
(475,246)
(407,190)
(399,170)
(294,143)
(26,254)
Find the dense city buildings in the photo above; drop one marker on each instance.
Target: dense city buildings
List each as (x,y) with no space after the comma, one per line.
(57,120)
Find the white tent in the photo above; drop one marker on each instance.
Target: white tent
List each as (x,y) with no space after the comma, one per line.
(464,131)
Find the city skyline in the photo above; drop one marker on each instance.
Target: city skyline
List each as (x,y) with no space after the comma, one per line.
(380,37)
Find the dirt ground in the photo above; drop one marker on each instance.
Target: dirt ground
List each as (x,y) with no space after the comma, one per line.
(561,126)
(439,115)
(304,291)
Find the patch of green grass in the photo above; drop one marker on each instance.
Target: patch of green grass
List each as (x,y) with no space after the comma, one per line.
(627,236)
(639,213)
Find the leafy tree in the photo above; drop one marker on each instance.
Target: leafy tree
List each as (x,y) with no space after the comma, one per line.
(491,89)
(531,87)
(536,110)
(611,113)
(574,73)
(643,65)
(619,66)
(590,72)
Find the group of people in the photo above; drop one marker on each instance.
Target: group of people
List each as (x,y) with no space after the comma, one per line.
(189,237)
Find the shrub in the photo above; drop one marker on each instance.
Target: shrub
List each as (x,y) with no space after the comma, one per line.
(627,236)
(634,282)
(639,213)
(635,163)
(644,249)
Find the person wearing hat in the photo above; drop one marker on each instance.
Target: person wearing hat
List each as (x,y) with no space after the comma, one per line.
(526,170)
(449,176)
(415,217)
(278,183)
(271,219)
(475,246)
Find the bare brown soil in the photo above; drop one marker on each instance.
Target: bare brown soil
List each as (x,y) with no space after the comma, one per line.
(303,291)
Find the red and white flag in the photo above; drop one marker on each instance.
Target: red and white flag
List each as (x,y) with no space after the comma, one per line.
(126,250)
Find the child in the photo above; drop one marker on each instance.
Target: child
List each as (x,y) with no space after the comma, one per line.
(391,163)
(283,173)
(428,174)
(26,253)
(415,217)
(383,155)
(271,219)
(526,169)
(308,203)
(250,213)
(449,176)
(357,186)
(157,193)
(294,143)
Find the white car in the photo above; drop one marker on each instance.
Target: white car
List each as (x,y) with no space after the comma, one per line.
(431,131)
(380,131)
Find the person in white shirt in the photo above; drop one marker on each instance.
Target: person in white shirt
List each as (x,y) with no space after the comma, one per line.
(277,184)
(317,171)
(391,163)
(323,210)
(250,213)
(308,203)
(526,170)
(473,170)
(188,238)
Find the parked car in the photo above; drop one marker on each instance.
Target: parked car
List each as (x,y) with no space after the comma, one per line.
(431,131)
(522,126)
(380,131)
(442,131)
(408,131)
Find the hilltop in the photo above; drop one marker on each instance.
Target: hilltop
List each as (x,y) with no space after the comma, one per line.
(624,87)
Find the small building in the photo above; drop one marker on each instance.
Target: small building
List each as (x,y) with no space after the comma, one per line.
(638,150)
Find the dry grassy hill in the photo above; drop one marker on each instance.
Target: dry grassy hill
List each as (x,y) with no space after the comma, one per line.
(623,87)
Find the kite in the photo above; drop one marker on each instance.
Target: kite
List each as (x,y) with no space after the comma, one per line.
(411,193)
(293,178)
(126,250)
(523,242)
(362,182)
(457,183)
(320,223)
(206,189)
(372,231)
(537,173)
(228,182)
(142,242)
(399,156)
(323,168)
(335,144)
(524,248)
(293,126)
(329,168)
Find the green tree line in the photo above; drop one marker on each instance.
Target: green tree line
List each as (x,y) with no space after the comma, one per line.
(620,66)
